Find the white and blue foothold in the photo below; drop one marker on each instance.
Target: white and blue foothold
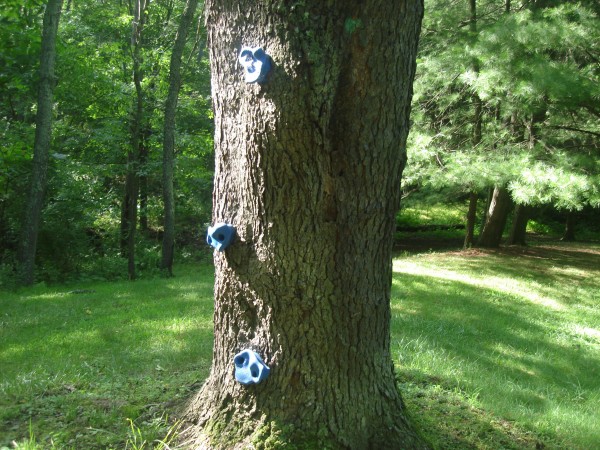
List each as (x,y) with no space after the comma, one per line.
(256,63)
(220,236)
(249,367)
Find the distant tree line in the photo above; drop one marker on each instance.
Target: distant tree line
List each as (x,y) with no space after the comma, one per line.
(96,98)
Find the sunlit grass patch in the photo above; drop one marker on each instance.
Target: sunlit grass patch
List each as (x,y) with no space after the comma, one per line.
(437,214)
(510,332)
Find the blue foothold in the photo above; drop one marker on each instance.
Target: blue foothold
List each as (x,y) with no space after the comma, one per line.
(250,368)
(220,236)
(256,62)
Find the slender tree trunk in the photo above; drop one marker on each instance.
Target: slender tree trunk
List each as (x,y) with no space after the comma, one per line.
(168,243)
(521,217)
(130,211)
(133,156)
(308,170)
(488,202)
(569,233)
(476,138)
(143,181)
(471,218)
(519,226)
(41,146)
(496,218)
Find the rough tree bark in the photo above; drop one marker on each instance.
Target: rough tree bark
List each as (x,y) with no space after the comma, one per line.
(491,235)
(41,146)
(308,170)
(168,243)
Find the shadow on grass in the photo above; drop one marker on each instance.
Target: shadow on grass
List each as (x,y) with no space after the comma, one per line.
(77,365)
(451,422)
(516,358)
(481,367)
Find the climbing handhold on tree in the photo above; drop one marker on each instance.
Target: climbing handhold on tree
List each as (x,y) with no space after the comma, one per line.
(220,236)
(250,368)
(256,63)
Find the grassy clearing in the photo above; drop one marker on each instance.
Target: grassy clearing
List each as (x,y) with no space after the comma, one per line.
(494,350)
(432,214)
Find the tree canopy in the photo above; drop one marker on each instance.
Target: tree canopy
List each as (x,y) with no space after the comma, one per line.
(535,68)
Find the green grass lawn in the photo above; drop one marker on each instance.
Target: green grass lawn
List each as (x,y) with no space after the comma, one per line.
(76,366)
(501,349)
(494,350)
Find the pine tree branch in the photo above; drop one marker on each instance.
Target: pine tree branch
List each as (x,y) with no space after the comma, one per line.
(579,130)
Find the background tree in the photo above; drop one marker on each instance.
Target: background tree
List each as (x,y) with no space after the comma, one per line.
(168,243)
(308,171)
(132,180)
(538,138)
(41,147)
(477,113)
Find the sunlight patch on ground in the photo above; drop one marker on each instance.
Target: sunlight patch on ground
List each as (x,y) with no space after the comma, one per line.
(505,285)
(570,271)
(587,332)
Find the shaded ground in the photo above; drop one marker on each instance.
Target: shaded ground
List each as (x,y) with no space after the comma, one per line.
(542,247)
(425,242)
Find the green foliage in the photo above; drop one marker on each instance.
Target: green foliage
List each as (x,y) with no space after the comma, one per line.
(535,71)
(94,97)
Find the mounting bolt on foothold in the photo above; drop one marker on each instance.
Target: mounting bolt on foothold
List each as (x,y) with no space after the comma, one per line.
(220,236)
(249,367)
(256,63)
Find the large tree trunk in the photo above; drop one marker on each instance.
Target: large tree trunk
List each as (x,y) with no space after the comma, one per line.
(41,146)
(491,234)
(308,170)
(168,243)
